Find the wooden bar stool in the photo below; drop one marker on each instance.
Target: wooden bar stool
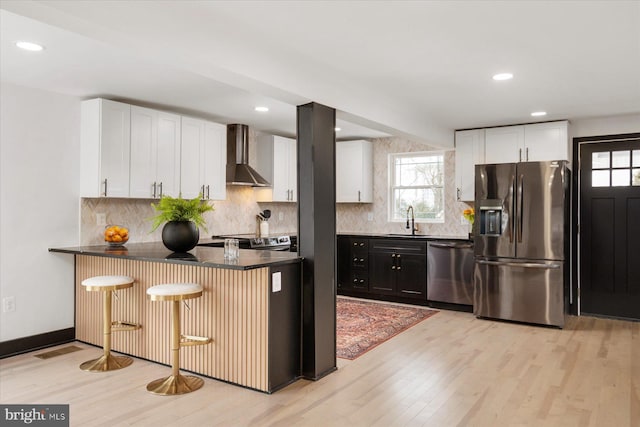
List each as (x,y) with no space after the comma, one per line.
(176,383)
(108,285)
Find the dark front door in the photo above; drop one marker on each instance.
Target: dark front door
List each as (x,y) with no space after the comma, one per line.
(609,218)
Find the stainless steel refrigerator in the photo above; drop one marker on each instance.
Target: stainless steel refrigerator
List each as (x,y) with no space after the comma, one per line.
(521,242)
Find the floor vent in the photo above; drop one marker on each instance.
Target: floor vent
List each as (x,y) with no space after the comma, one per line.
(58,352)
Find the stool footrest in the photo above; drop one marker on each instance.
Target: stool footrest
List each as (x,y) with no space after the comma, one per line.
(189,340)
(118,326)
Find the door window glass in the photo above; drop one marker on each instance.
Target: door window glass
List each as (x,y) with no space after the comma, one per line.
(600,160)
(621,159)
(635,177)
(636,158)
(620,177)
(600,179)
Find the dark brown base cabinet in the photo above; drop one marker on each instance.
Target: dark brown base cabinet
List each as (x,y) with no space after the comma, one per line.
(353,264)
(380,268)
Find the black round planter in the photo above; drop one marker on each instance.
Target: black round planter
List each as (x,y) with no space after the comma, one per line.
(180,236)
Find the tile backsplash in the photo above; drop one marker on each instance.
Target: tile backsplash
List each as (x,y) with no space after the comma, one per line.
(237,214)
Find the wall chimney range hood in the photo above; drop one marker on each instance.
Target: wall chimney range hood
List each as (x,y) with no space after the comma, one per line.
(238,170)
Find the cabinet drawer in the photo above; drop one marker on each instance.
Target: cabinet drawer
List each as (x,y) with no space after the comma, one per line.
(359,261)
(360,281)
(360,244)
(402,246)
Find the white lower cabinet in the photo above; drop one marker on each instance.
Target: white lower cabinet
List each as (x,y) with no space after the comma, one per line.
(354,172)
(105,140)
(469,153)
(277,163)
(155,153)
(203,159)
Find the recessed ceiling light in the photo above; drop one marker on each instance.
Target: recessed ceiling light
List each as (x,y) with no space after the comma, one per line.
(539,113)
(337,129)
(262,109)
(33,47)
(502,76)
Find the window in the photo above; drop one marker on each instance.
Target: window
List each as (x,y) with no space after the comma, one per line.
(417,179)
(615,168)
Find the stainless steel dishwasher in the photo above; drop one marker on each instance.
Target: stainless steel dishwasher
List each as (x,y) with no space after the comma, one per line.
(450,272)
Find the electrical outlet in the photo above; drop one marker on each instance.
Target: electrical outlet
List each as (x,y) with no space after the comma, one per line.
(370,216)
(101,219)
(8,304)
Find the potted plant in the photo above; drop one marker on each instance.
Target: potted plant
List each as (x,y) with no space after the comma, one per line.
(181,219)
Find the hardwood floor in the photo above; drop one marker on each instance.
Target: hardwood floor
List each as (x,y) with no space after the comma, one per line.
(449,370)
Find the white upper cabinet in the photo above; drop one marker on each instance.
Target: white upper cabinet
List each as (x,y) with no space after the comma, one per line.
(354,172)
(469,153)
(504,144)
(155,153)
(105,148)
(277,163)
(527,143)
(203,159)
(546,141)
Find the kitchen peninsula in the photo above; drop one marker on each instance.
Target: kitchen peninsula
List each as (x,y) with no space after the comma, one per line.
(251,308)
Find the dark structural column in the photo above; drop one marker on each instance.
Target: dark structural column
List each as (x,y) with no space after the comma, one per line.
(317,237)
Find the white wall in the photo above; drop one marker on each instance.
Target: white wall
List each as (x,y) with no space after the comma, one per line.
(39,194)
(628,123)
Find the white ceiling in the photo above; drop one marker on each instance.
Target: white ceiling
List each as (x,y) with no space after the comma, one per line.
(412,69)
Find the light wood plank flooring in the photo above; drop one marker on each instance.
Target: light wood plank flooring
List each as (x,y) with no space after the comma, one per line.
(450,370)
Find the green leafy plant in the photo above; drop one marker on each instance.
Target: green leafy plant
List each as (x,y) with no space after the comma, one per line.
(179,209)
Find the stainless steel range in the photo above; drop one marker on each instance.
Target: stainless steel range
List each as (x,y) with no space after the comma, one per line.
(282,242)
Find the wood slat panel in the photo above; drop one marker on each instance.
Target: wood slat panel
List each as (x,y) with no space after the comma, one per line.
(233,310)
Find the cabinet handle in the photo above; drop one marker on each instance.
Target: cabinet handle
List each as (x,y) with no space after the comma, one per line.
(358,195)
(105,188)
(154,191)
(520,155)
(208,192)
(161,189)
(527,154)
(458,193)
(202,191)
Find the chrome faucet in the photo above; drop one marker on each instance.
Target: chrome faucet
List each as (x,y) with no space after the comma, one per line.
(413,221)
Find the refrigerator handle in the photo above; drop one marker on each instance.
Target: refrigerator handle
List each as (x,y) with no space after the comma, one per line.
(520,212)
(520,264)
(512,209)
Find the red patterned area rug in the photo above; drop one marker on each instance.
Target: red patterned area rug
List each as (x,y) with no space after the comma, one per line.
(363,325)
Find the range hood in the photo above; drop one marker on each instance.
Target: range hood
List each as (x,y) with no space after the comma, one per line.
(238,170)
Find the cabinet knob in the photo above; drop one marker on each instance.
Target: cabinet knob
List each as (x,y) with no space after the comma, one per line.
(398,256)
(398,268)
(361,259)
(361,280)
(361,244)
(355,280)
(393,267)
(393,255)
(355,243)
(355,259)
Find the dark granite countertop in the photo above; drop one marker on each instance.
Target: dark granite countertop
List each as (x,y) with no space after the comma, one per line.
(405,236)
(200,255)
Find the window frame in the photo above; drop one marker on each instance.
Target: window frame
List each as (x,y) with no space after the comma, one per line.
(391,187)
